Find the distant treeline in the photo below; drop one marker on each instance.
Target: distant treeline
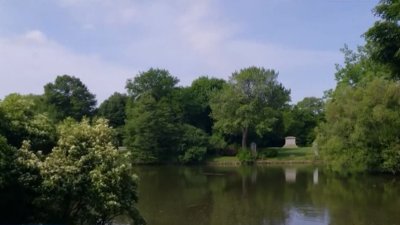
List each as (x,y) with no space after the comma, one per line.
(59,161)
(159,121)
(58,155)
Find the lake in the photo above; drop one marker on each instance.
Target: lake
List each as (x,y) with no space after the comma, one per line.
(172,195)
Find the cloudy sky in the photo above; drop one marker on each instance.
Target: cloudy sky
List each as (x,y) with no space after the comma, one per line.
(105,42)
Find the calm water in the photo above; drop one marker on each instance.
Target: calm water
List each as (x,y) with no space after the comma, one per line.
(265,195)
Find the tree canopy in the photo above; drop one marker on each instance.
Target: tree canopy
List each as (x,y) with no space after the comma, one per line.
(249,101)
(383,38)
(21,122)
(157,82)
(85,178)
(362,112)
(69,97)
(113,109)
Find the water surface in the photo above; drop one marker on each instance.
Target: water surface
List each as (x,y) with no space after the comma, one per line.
(172,195)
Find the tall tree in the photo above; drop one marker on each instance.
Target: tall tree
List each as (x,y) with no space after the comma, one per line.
(113,109)
(361,128)
(152,125)
(248,102)
(157,82)
(152,130)
(383,38)
(69,97)
(362,112)
(202,89)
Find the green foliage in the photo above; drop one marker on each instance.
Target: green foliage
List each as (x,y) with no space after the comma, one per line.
(4,122)
(249,101)
(202,89)
(151,130)
(6,158)
(383,38)
(156,82)
(113,109)
(217,142)
(361,126)
(303,118)
(21,122)
(86,180)
(68,97)
(245,157)
(193,102)
(193,155)
(193,144)
(362,112)
(19,183)
(157,117)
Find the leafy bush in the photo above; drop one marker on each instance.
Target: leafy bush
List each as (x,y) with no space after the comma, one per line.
(217,143)
(245,157)
(193,155)
(361,128)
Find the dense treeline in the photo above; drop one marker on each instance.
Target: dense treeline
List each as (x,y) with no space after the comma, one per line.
(57,147)
(363,112)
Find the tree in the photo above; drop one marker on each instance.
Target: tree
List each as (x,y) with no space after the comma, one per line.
(383,38)
(197,103)
(302,119)
(113,109)
(192,144)
(249,101)
(4,122)
(19,183)
(21,122)
(361,128)
(69,97)
(153,116)
(152,130)
(362,112)
(85,179)
(157,82)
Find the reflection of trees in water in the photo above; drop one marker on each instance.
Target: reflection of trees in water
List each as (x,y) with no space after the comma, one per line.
(174,195)
(260,196)
(359,200)
(247,202)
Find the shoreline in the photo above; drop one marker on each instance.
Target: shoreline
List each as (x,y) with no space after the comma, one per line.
(266,162)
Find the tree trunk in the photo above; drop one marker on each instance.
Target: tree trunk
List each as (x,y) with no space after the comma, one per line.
(244,138)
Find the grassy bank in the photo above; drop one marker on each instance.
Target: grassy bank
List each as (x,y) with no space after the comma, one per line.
(301,155)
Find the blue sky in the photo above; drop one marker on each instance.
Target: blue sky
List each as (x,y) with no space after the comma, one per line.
(105,42)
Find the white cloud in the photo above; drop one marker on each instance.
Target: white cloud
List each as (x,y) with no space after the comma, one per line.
(30,61)
(36,36)
(189,38)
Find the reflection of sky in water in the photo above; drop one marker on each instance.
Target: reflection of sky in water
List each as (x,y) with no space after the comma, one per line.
(308,215)
(266,195)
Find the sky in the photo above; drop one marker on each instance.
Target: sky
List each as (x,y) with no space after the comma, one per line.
(106,42)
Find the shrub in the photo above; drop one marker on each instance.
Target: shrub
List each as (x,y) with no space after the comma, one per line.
(217,143)
(193,155)
(245,157)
